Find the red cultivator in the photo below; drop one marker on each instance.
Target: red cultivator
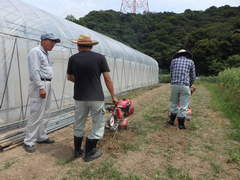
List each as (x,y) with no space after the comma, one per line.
(189,112)
(121,112)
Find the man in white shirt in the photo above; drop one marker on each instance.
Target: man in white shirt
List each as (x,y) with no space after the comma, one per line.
(40,90)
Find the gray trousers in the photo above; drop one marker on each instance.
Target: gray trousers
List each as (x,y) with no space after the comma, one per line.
(39,115)
(179,93)
(97,110)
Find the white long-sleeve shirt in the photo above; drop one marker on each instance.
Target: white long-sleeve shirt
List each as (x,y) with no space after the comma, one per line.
(39,66)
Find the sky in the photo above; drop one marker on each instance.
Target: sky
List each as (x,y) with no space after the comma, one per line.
(80,8)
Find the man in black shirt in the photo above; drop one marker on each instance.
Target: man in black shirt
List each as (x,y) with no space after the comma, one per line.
(84,70)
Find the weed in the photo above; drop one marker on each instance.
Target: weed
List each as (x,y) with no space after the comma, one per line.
(34,175)
(141,131)
(147,141)
(69,171)
(230,78)
(150,88)
(208,147)
(165,79)
(106,171)
(9,164)
(86,172)
(63,162)
(132,177)
(192,126)
(171,171)
(131,146)
(157,175)
(188,148)
(184,176)
(217,168)
(225,101)
(235,155)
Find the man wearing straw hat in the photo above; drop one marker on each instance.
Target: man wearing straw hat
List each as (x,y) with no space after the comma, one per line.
(182,71)
(84,70)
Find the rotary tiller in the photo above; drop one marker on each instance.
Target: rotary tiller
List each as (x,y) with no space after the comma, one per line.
(121,112)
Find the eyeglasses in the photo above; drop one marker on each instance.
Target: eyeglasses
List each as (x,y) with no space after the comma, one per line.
(52,41)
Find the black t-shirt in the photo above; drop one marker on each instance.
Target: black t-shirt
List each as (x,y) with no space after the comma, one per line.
(87,66)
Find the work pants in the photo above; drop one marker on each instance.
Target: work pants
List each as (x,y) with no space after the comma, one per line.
(97,110)
(179,93)
(39,115)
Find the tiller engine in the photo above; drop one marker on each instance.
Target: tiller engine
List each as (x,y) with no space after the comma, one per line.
(189,112)
(121,113)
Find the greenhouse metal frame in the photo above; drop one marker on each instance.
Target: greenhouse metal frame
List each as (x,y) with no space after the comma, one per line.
(21,26)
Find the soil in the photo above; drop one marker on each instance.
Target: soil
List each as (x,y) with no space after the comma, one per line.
(199,152)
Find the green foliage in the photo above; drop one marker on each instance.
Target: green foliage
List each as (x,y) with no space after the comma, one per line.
(171,171)
(206,79)
(163,71)
(233,61)
(217,168)
(230,78)
(63,162)
(130,146)
(165,79)
(107,171)
(212,35)
(9,164)
(227,102)
(235,155)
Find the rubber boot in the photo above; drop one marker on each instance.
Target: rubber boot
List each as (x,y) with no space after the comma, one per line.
(77,146)
(181,123)
(172,118)
(90,150)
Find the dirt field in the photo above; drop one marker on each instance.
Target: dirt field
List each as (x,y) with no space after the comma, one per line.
(154,151)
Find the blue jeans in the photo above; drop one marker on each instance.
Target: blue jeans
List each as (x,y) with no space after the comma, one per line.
(179,93)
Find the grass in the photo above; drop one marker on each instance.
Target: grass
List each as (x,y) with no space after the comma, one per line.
(133,146)
(9,164)
(230,78)
(209,147)
(228,103)
(157,151)
(106,170)
(152,122)
(171,171)
(64,162)
(164,79)
(235,155)
(216,168)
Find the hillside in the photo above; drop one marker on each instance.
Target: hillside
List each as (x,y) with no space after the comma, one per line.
(153,151)
(213,35)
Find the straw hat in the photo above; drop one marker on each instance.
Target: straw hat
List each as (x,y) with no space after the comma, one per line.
(183,52)
(85,40)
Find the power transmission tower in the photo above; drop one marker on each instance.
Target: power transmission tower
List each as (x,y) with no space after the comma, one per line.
(134,6)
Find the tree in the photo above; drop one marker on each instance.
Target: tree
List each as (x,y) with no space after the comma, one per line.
(71,18)
(213,35)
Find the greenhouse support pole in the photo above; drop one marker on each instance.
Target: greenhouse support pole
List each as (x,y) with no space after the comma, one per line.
(6,83)
(20,82)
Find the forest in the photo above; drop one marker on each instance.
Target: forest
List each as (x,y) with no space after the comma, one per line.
(212,35)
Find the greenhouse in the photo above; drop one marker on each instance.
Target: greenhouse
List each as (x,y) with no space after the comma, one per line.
(21,26)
